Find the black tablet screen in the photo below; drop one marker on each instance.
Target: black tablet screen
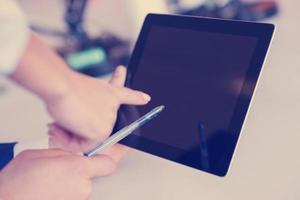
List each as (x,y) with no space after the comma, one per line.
(199,77)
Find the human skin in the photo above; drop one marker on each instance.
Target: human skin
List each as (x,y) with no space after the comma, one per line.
(84,106)
(52,174)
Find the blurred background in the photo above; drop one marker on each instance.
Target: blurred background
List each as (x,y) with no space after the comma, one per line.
(96,35)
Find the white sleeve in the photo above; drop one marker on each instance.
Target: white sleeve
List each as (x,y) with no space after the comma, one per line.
(14,35)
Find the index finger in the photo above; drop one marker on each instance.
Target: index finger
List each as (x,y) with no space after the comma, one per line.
(134,97)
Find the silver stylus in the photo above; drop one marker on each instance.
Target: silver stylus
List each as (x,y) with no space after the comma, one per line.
(124,132)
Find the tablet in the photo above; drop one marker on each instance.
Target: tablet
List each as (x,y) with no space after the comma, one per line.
(204,71)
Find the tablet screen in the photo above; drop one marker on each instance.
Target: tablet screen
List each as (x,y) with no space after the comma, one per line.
(200,78)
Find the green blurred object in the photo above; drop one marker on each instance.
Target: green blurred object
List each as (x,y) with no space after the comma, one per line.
(85,59)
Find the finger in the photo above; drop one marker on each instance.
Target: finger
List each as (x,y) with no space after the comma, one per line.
(37,153)
(60,138)
(119,76)
(133,97)
(117,152)
(99,165)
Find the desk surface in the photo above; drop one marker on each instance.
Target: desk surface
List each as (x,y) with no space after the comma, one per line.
(266,164)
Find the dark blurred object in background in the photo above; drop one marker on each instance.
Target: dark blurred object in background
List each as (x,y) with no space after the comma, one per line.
(100,55)
(231,9)
(92,56)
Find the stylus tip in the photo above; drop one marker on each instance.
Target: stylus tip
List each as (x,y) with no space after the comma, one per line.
(160,108)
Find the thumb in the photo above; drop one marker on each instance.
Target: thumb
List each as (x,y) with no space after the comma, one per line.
(100,165)
(119,76)
(43,153)
(133,97)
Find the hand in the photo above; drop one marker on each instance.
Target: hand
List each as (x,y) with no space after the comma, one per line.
(62,139)
(84,106)
(52,174)
(88,111)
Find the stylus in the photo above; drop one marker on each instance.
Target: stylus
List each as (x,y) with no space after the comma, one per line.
(124,132)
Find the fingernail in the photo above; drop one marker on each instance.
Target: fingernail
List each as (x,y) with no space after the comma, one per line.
(120,68)
(146,97)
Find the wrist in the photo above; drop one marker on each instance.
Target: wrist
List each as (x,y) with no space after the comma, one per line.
(59,85)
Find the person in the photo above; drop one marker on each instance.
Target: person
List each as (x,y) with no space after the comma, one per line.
(84,111)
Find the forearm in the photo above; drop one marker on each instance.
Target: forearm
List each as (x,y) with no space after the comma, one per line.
(42,71)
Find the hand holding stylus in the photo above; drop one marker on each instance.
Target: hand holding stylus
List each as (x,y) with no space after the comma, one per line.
(124,132)
(86,139)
